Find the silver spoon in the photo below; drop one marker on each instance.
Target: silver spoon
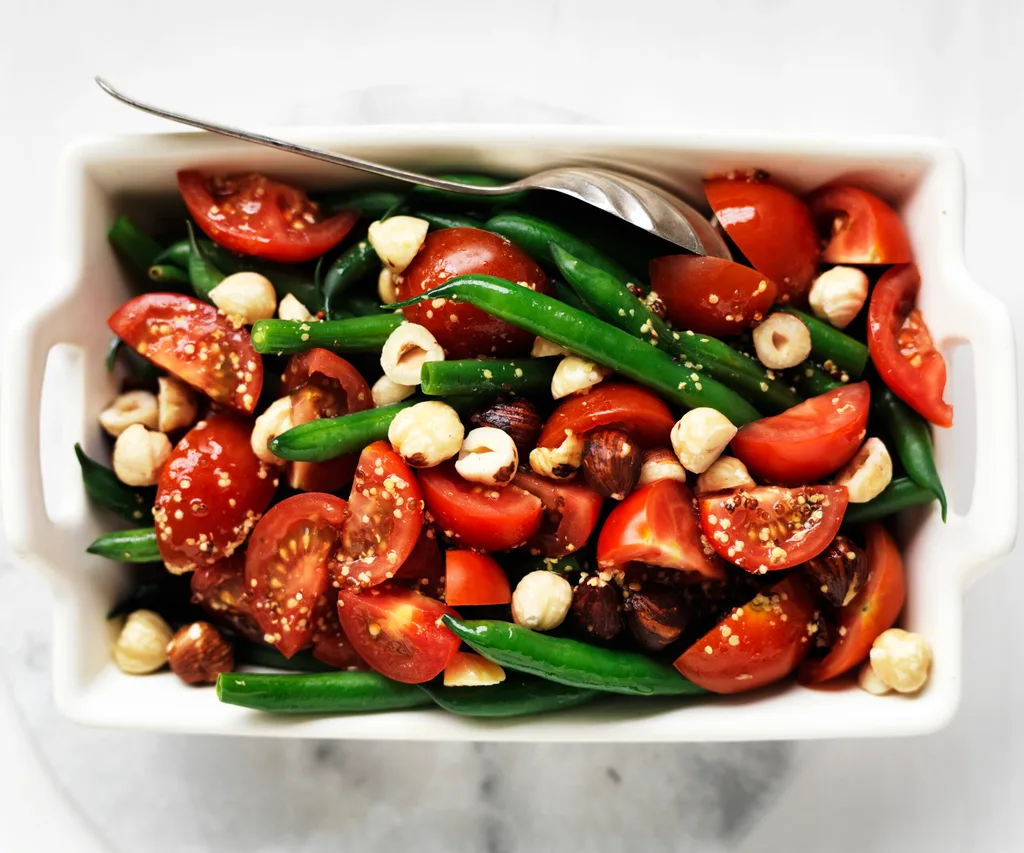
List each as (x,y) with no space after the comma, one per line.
(638,202)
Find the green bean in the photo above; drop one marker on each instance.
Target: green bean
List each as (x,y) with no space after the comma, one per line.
(127,546)
(177,254)
(441,221)
(363,306)
(320,440)
(514,697)
(566,294)
(168,274)
(321,693)
(830,344)
(359,334)
(812,381)
(103,487)
(902,493)
(371,203)
(492,376)
(133,244)
(201,272)
(472,179)
(352,266)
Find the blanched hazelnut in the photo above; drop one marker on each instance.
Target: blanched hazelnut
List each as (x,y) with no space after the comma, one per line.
(700,436)
(141,646)
(139,455)
(541,601)
(575,374)
(838,295)
(275,420)
(245,297)
(660,463)
(385,392)
(868,473)
(726,472)
(543,348)
(397,239)
(406,350)
(291,308)
(176,404)
(133,407)
(488,456)
(426,434)
(901,660)
(558,463)
(782,341)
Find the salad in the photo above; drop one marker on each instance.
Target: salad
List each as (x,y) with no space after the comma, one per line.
(510,455)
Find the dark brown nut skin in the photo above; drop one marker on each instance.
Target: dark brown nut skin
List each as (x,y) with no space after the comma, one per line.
(611,462)
(519,418)
(597,608)
(198,653)
(839,572)
(656,616)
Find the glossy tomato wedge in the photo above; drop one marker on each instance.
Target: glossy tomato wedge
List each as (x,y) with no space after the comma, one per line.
(473,579)
(571,510)
(771,527)
(478,516)
(901,346)
(860,227)
(196,343)
(423,570)
(330,645)
(254,215)
(754,645)
(286,566)
(642,413)
(873,611)
(220,590)
(711,296)
(211,493)
(772,227)
(465,331)
(658,525)
(398,632)
(808,442)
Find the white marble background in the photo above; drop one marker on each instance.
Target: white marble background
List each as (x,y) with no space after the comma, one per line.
(939,67)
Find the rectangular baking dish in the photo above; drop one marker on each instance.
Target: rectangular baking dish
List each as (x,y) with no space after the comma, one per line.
(50,522)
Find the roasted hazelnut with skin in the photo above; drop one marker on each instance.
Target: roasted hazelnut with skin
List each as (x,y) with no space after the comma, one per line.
(597,608)
(519,418)
(839,571)
(655,616)
(611,462)
(198,653)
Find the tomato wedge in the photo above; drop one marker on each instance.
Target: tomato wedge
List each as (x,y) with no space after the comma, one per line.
(770,527)
(901,346)
(772,227)
(195,342)
(658,525)
(398,632)
(472,579)
(478,516)
(861,228)
(211,493)
(642,413)
(220,590)
(808,442)
(873,611)
(754,645)
(254,215)
(286,566)
(571,510)
(423,570)
(330,645)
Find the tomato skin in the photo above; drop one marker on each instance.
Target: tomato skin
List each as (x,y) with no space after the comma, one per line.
(424,570)
(754,645)
(458,251)
(808,442)
(772,227)
(398,632)
(874,610)
(212,466)
(901,347)
(478,516)
(710,295)
(767,528)
(863,229)
(220,590)
(657,525)
(642,413)
(571,511)
(330,645)
(254,215)
(195,342)
(473,579)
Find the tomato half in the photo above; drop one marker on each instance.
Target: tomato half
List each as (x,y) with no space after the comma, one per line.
(571,510)
(772,227)
(808,442)
(754,645)
(423,569)
(330,645)
(211,493)
(472,579)
(220,590)
(770,527)
(398,632)
(861,228)
(195,342)
(711,296)
(478,516)
(254,215)
(901,347)
(286,566)
(658,525)
(873,611)
(642,413)
(465,331)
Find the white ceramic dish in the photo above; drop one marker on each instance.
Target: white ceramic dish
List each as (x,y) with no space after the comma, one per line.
(50,522)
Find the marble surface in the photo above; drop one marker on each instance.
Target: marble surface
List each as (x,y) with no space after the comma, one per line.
(942,68)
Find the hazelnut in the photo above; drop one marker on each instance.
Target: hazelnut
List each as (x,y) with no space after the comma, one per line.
(198,653)
(655,617)
(519,418)
(611,462)
(141,646)
(660,463)
(839,571)
(596,608)
(901,660)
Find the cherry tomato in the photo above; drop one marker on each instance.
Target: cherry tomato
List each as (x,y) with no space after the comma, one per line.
(211,493)
(398,632)
(808,442)
(472,579)
(465,331)
(901,347)
(640,412)
(711,296)
(195,342)
(769,527)
(861,228)
(286,566)
(754,645)
(254,215)
(658,525)
(383,519)
(571,510)
(873,611)
(423,569)
(220,590)
(772,227)
(330,645)
(478,516)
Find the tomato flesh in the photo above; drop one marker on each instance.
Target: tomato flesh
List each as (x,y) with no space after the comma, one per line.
(423,570)
(330,645)
(220,590)
(196,343)
(771,527)
(861,228)
(808,442)
(571,510)
(473,579)
(642,413)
